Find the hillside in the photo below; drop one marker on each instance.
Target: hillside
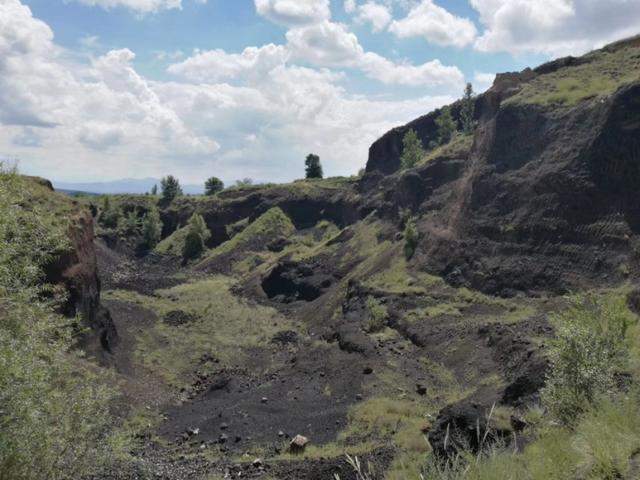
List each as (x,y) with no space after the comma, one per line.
(409,316)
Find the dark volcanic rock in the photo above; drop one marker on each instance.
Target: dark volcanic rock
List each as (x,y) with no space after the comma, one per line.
(291,281)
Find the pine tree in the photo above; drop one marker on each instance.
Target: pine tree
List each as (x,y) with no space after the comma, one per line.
(467,111)
(170,188)
(154,190)
(446,126)
(313,166)
(412,150)
(213,185)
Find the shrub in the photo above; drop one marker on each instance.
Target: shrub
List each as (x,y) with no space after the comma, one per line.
(130,223)
(213,185)
(446,126)
(377,315)
(588,350)
(245,182)
(193,246)
(110,215)
(411,238)
(412,151)
(170,188)
(313,167)
(154,190)
(151,229)
(196,238)
(54,412)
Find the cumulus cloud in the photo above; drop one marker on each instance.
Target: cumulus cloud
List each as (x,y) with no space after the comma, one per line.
(215,65)
(436,25)
(103,119)
(376,14)
(294,12)
(554,27)
(330,44)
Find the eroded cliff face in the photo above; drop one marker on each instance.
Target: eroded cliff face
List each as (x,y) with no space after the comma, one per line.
(76,272)
(544,200)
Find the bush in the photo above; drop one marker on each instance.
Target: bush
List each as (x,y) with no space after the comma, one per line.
(587,352)
(54,412)
(130,223)
(412,151)
(196,238)
(313,167)
(193,246)
(377,315)
(151,229)
(446,126)
(110,215)
(411,238)
(213,185)
(170,188)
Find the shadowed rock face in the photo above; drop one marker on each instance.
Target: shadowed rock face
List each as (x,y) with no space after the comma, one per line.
(77,271)
(545,199)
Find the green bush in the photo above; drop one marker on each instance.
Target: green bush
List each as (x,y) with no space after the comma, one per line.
(588,350)
(151,229)
(198,234)
(378,315)
(412,151)
(110,215)
(411,238)
(53,410)
(446,126)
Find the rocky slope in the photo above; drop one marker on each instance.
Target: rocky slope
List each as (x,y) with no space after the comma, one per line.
(305,317)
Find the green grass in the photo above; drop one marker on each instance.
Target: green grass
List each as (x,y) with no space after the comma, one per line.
(227,327)
(607,72)
(173,244)
(459,147)
(270,225)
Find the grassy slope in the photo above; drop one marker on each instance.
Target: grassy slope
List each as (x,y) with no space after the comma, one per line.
(605,72)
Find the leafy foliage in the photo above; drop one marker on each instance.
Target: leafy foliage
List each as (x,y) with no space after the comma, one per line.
(467,111)
(411,238)
(588,350)
(196,238)
(446,126)
(53,414)
(170,188)
(213,185)
(412,151)
(151,229)
(313,167)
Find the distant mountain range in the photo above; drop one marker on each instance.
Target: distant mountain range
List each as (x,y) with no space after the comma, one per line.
(127,185)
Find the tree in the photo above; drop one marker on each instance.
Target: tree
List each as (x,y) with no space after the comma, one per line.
(170,188)
(446,126)
(197,235)
(313,166)
(154,190)
(151,228)
(412,150)
(213,185)
(467,111)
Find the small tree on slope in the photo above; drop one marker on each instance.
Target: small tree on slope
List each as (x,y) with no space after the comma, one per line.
(313,166)
(412,151)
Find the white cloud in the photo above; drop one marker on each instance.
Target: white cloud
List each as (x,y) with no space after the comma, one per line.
(436,25)
(294,12)
(349,6)
(376,14)
(554,27)
(103,119)
(214,65)
(141,6)
(330,44)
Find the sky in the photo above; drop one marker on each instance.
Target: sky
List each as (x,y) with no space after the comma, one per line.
(97,90)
